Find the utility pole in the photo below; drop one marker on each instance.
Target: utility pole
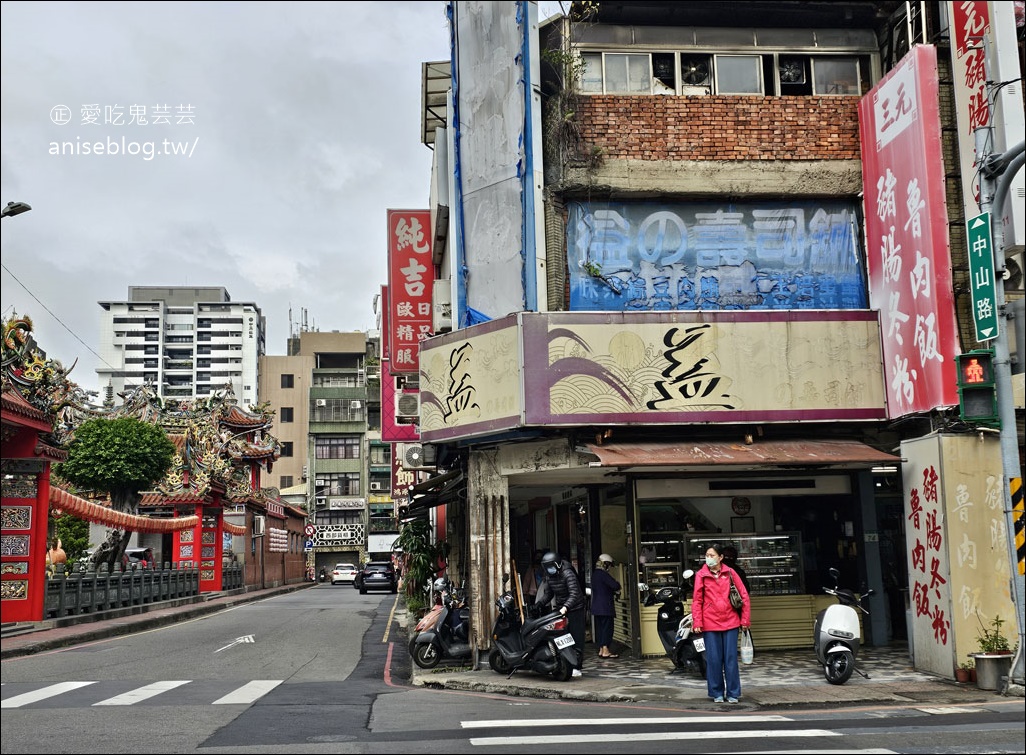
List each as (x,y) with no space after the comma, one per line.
(996,173)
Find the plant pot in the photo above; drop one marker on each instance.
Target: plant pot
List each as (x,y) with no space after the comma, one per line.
(990,668)
(972,675)
(961,675)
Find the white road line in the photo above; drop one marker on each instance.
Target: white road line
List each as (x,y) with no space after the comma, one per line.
(946,710)
(660,736)
(41,694)
(621,721)
(249,692)
(142,693)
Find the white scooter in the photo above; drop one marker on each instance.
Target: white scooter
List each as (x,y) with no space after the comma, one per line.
(837,633)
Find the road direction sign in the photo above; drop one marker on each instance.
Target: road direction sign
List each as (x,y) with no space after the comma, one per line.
(982,286)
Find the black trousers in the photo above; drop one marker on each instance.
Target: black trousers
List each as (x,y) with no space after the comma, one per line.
(578,628)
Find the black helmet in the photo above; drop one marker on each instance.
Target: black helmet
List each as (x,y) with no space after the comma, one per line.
(550,563)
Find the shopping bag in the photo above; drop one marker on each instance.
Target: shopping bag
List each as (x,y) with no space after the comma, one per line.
(747,649)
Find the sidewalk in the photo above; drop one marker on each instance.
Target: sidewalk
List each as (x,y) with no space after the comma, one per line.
(776,679)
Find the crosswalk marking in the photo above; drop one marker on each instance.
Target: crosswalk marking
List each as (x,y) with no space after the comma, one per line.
(249,693)
(944,710)
(654,736)
(142,693)
(240,693)
(621,721)
(41,694)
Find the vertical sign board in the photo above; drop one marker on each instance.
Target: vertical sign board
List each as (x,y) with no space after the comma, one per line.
(957,546)
(981,277)
(970,21)
(411,276)
(907,235)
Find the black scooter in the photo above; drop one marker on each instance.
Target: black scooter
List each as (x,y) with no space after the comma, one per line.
(543,645)
(448,638)
(674,626)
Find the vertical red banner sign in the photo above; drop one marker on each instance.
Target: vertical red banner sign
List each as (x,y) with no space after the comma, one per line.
(411,275)
(907,235)
(970,22)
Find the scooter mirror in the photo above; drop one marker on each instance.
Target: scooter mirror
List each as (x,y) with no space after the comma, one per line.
(688,574)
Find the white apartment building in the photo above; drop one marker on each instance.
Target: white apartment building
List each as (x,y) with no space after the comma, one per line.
(187,342)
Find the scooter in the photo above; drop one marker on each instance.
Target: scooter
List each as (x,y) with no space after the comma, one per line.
(448,638)
(323,575)
(542,645)
(836,634)
(674,627)
(430,619)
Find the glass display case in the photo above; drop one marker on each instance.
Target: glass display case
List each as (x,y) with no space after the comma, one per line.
(661,575)
(772,562)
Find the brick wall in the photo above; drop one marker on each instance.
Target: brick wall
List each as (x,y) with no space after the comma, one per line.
(720,127)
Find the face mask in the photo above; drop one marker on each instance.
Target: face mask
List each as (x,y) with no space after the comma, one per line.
(550,570)
(710,561)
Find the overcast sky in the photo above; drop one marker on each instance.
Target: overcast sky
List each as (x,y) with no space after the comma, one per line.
(298,126)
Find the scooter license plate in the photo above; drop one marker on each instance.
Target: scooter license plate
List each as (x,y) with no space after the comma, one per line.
(564,641)
(699,645)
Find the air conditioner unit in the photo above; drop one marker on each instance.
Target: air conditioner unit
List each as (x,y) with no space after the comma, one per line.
(407,405)
(441,306)
(355,404)
(321,483)
(320,502)
(415,456)
(321,402)
(378,486)
(258,526)
(306,471)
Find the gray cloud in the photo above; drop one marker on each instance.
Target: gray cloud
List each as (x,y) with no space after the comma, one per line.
(307,117)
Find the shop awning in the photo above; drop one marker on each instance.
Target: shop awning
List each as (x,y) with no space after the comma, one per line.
(783,454)
(440,489)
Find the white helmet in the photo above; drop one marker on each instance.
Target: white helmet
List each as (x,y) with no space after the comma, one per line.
(441,584)
(605,557)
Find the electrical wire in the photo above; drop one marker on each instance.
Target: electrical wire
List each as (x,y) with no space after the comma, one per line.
(55,317)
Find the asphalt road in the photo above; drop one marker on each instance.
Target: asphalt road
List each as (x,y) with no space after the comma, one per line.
(326,670)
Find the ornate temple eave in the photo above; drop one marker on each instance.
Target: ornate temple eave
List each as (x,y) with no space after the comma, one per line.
(50,452)
(15,410)
(243,420)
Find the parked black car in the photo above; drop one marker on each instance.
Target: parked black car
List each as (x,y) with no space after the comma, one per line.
(377,575)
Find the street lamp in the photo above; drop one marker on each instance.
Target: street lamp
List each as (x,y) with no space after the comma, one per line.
(14,208)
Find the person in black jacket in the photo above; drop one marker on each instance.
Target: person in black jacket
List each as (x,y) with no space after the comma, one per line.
(730,559)
(567,597)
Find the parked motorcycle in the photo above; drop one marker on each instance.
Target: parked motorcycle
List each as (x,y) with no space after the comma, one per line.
(836,633)
(540,644)
(427,621)
(448,637)
(674,627)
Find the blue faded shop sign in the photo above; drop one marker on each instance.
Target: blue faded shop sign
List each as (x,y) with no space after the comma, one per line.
(653,256)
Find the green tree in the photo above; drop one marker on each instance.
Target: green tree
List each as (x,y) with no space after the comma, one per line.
(73,534)
(121,457)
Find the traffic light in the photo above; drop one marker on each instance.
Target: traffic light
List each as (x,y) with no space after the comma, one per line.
(977,393)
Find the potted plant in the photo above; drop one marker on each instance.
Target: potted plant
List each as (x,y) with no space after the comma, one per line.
(963,673)
(994,660)
(991,640)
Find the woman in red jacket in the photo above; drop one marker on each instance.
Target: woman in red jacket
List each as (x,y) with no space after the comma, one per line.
(712,614)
